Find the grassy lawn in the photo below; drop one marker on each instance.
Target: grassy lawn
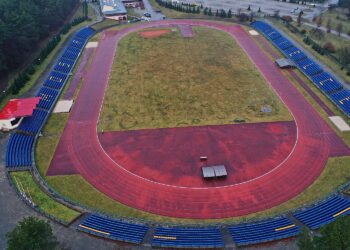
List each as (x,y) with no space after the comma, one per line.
(77,189)
(205,80)
(25,183)
(325,59)
(105,23)
(337,16)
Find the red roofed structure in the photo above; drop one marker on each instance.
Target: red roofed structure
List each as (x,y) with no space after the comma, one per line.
(12,114)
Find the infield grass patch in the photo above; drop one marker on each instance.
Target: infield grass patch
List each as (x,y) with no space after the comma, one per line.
(170,81)
(25,183)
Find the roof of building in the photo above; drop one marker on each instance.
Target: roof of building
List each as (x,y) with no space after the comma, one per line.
(112,7)
(19,108)
(285,63)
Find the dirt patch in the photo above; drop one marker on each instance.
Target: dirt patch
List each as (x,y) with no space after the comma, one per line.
(154,33)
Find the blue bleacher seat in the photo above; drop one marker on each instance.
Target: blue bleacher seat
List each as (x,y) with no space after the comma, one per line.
(263,231)
(323,80)
(209,237)
(85,33)
(114,229)
(55,80)
(32,124)
(324,212)
(342,100)
(48,97)
(77,42)
(64,65)
(71,53)
(19,150)
(327,83)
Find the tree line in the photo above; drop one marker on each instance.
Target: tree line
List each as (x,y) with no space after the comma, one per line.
(24,23)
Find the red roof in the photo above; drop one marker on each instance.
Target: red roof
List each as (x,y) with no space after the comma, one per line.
(19,108)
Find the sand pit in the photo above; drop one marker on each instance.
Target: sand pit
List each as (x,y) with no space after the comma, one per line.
(154,33)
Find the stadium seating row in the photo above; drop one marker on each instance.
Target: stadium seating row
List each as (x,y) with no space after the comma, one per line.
(55,80)
(20,146)
(210,237)
(323,80)
(114,229)
(32,124)
(263,231)
(324,212)
(19,150)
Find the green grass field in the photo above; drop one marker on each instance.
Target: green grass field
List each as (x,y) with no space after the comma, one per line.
(25,183)
(336,16)
(169,81)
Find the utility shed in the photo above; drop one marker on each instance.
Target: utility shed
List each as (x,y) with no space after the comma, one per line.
(284,63)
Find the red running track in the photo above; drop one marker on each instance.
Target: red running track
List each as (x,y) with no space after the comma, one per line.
(80,146)
(171,155)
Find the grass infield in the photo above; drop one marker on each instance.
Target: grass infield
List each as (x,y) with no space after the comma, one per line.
(169,81)
(25,183)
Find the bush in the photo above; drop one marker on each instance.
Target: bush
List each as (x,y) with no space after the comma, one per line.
(303,31)
(329,47)
(287,19)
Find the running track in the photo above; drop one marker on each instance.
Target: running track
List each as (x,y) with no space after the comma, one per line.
(80,146)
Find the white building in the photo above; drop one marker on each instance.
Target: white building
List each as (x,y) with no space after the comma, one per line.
(14,112)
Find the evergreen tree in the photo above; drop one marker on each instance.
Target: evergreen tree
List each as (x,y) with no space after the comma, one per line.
(229,13)
(30,234)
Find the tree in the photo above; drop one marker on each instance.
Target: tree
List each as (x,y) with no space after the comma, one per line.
(217,13)
(31,233)
(229,13)
(305,240)
(339,28)
(259,10)
(344,55)
(335,235)
(345,4)
(328,26)
(249,8)
(209,12)
(319,21)
(299,18)
(287,19)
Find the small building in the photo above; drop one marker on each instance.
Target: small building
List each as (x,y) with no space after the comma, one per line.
(285,63)
(14,112)
(113,9)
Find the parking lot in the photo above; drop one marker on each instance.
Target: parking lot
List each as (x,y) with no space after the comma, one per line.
(266,6)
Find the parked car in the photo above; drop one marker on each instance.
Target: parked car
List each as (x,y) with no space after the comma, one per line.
(147,15)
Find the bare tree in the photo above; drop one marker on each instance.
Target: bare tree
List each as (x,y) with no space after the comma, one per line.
(329,26)
(299,18)
(319,21)
(339,28)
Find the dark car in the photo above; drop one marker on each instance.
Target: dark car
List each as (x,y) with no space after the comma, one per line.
(147,15)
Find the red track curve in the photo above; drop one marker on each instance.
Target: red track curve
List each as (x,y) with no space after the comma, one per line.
(79,145)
